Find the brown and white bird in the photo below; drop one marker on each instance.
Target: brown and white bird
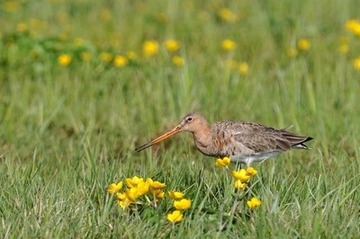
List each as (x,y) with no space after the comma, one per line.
(243,142)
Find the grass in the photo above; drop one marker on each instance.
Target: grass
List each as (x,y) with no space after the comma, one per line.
(66,132)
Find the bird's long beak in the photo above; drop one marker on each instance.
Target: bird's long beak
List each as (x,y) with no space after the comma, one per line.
(162,137)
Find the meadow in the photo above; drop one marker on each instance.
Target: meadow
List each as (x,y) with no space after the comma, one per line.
(83,83)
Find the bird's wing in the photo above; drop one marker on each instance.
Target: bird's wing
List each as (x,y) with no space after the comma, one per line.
(259,138)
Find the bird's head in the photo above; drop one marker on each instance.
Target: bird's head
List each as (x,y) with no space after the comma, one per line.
(191,122)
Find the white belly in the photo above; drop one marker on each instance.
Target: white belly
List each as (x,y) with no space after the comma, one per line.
(251,158)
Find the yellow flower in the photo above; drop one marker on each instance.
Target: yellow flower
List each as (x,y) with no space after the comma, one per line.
(251,171)
(175,216)
(155,184)
(344,45)
(124,203)
(85,56)
(150,48)
(131,55)
(239,185)
(357,63)
(228,45)
(106,56)
(243,68)
(343,48)
(142,188)
(64,59)
(241,175)
(121,196)
(160,194)
(178,60)
(10,6)
(176,195)
(254,202)
(120,61)
(292,52)
(131,194)
(172,45)
(303,44)
(353,26)
(114,188)
(222,162)
(227,15)
(133,182)
(182,204)
(21,27)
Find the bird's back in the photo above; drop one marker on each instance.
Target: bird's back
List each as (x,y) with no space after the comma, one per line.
(244,139)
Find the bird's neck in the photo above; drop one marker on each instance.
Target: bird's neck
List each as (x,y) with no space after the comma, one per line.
(203,140)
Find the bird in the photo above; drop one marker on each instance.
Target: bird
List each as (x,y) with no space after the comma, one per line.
(243,142)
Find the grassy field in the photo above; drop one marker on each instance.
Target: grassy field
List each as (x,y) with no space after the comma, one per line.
(82,83)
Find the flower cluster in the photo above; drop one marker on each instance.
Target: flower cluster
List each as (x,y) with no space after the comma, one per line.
(172,46)
(352,26)
(136,188)
(241,177)
(303,45)
(139,189)
(180,204)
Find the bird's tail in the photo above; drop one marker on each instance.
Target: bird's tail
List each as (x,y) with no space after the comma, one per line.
(297,141)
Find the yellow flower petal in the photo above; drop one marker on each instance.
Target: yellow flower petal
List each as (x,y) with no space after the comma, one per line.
(150,48)
(120,61)
(172,45)
(133,182)
(114,188)
(131,194)
(356,63)
(106,56)
(227,15)
(254,202)
(157,185)
(175,216)
(228,45)
(222,162)
(353,26)
(176,195)
(304,44)
(160,195)
(121,196)
(291,52)
(142,188)
(124,203)
(239,185)
(243,68)
(251,171)
(182,204)
(241,175)
(178,60)
(64,59)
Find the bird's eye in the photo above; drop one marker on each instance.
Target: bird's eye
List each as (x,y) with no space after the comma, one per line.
(189,119)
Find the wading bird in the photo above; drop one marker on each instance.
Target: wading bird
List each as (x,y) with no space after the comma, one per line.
(243,142)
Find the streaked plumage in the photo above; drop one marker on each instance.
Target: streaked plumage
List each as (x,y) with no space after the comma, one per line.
(243,142)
